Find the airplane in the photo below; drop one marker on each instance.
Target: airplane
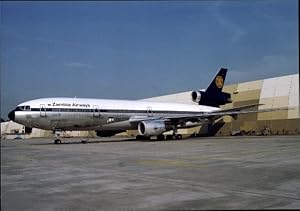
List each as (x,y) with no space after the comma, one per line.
(108,117)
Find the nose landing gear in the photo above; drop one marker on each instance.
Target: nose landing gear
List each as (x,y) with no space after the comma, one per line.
(57,134)
(57,141)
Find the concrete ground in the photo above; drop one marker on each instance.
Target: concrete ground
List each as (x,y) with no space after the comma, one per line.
(114,173)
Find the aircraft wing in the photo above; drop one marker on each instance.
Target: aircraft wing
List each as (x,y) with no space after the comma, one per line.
(211,116)
(206,116)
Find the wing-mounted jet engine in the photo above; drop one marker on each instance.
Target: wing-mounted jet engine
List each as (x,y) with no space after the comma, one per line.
(152,128)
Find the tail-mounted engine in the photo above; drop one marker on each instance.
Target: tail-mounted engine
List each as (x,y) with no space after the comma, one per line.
(215,100)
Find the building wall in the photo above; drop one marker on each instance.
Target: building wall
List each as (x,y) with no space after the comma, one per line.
(278,92)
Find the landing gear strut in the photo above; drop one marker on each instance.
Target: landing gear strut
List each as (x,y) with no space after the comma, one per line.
(57,134)
(174,136)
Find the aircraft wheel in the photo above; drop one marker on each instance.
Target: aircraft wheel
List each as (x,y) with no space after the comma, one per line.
(178,136)
(57,141)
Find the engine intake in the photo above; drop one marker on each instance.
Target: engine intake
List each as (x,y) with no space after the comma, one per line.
(196,96)
(151,128)
(211,99)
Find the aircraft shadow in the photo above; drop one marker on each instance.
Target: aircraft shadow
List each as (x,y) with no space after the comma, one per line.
(97,141)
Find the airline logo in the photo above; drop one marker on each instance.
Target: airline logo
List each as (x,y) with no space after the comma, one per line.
(219,82)
(70,104)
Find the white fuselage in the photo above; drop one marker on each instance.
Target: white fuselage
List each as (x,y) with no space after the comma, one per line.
(96,114)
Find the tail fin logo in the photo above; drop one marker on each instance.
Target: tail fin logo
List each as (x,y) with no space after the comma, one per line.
(219,82)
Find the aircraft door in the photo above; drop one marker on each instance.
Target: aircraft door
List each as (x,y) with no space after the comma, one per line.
(96,111)
(43,110)
(149,112)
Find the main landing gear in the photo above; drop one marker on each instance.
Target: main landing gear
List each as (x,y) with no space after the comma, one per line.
(159,137)
(174,136)
(162,137)
(57,141)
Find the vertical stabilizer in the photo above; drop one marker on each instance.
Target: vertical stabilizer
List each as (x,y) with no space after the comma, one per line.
(217,83)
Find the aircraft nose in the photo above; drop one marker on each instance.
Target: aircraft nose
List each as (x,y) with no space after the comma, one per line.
(11,115)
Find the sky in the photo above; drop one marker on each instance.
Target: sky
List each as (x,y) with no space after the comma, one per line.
(140,49)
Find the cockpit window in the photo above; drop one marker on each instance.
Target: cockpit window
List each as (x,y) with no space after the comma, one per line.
(23,108)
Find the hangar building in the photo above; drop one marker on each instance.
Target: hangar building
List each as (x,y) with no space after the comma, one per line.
(275,92)
(272,92)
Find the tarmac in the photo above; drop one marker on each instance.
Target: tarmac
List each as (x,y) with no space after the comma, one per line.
(254,172)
